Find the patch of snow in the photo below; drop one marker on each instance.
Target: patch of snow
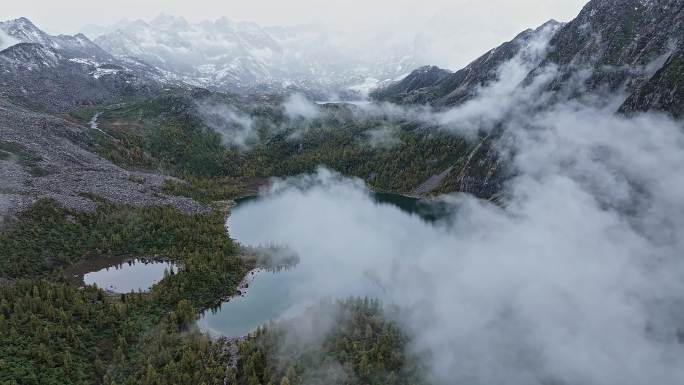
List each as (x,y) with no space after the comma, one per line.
(83,61)
(366,87)
(100,72)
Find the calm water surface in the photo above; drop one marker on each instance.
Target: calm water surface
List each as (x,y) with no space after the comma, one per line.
(128,276)
(271,295)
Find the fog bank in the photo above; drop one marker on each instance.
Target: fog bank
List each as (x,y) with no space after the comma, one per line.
(576,277)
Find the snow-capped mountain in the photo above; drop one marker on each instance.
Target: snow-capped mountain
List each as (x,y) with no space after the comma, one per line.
(632,48)
(77,46)
(240,56)
(59,73)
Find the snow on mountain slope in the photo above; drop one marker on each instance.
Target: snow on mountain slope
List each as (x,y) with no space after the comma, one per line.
(22,30)
(240,56)
(60,73)
(29,56)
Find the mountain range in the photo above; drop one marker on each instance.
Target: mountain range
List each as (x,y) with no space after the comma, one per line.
(243,57)
(60,73)
(219,55)
(630,47)
(152,102)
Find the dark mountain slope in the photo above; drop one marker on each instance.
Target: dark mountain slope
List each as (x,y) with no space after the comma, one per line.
(77,46)
(664,91)
(462,85)
(630,47)
(422,77)
(614,44)
(39,77)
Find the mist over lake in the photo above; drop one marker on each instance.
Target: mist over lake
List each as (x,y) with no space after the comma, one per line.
(450,192)
(475,282)
(285,293)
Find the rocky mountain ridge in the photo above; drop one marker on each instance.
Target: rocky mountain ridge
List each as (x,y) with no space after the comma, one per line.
(244,57)
(61,73)
(630,47)
(457,87)
(77,46)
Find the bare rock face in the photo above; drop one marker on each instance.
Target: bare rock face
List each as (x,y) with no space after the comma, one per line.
(46,157)
(615,44)
(662,92)
(41,78)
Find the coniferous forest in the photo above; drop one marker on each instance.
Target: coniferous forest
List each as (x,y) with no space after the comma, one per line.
(54,332)
(356,193)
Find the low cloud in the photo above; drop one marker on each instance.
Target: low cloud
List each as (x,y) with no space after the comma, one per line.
(236,128)
(297,106)
(564,283)
(384,137)
(575,277)
(6,40)
(506,95)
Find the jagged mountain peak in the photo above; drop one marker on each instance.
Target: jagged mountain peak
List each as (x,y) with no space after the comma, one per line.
(22,29)
(614,46)
(457,87)
(618,47)
(58,73)
(619,32)
(76,46)
(243,56)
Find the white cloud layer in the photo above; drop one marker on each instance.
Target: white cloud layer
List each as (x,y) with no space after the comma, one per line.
(576,278)
(235,127)
(297,106)
(6,40)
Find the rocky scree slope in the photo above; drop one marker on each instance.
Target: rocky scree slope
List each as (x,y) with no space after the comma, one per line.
(42,156)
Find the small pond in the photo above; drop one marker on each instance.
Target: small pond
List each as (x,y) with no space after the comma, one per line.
(120,275)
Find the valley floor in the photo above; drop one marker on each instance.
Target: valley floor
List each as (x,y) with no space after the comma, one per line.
(73,192)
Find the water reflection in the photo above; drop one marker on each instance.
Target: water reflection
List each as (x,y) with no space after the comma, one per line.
(430,210)
(130,275)
(266,297)
(270,295)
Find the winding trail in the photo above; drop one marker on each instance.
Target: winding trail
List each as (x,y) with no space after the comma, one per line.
(93,123)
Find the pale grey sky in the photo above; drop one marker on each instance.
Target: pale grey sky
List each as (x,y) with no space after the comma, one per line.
(71,15)
(453,31)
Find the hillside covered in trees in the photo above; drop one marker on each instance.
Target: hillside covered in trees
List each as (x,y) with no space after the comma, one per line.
(175,134)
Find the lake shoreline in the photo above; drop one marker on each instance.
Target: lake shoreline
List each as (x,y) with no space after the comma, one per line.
(241,291)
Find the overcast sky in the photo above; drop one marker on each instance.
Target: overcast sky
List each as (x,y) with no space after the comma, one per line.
(70,15)
(451,32)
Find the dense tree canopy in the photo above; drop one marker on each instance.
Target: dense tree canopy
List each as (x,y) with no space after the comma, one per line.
(53,332)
